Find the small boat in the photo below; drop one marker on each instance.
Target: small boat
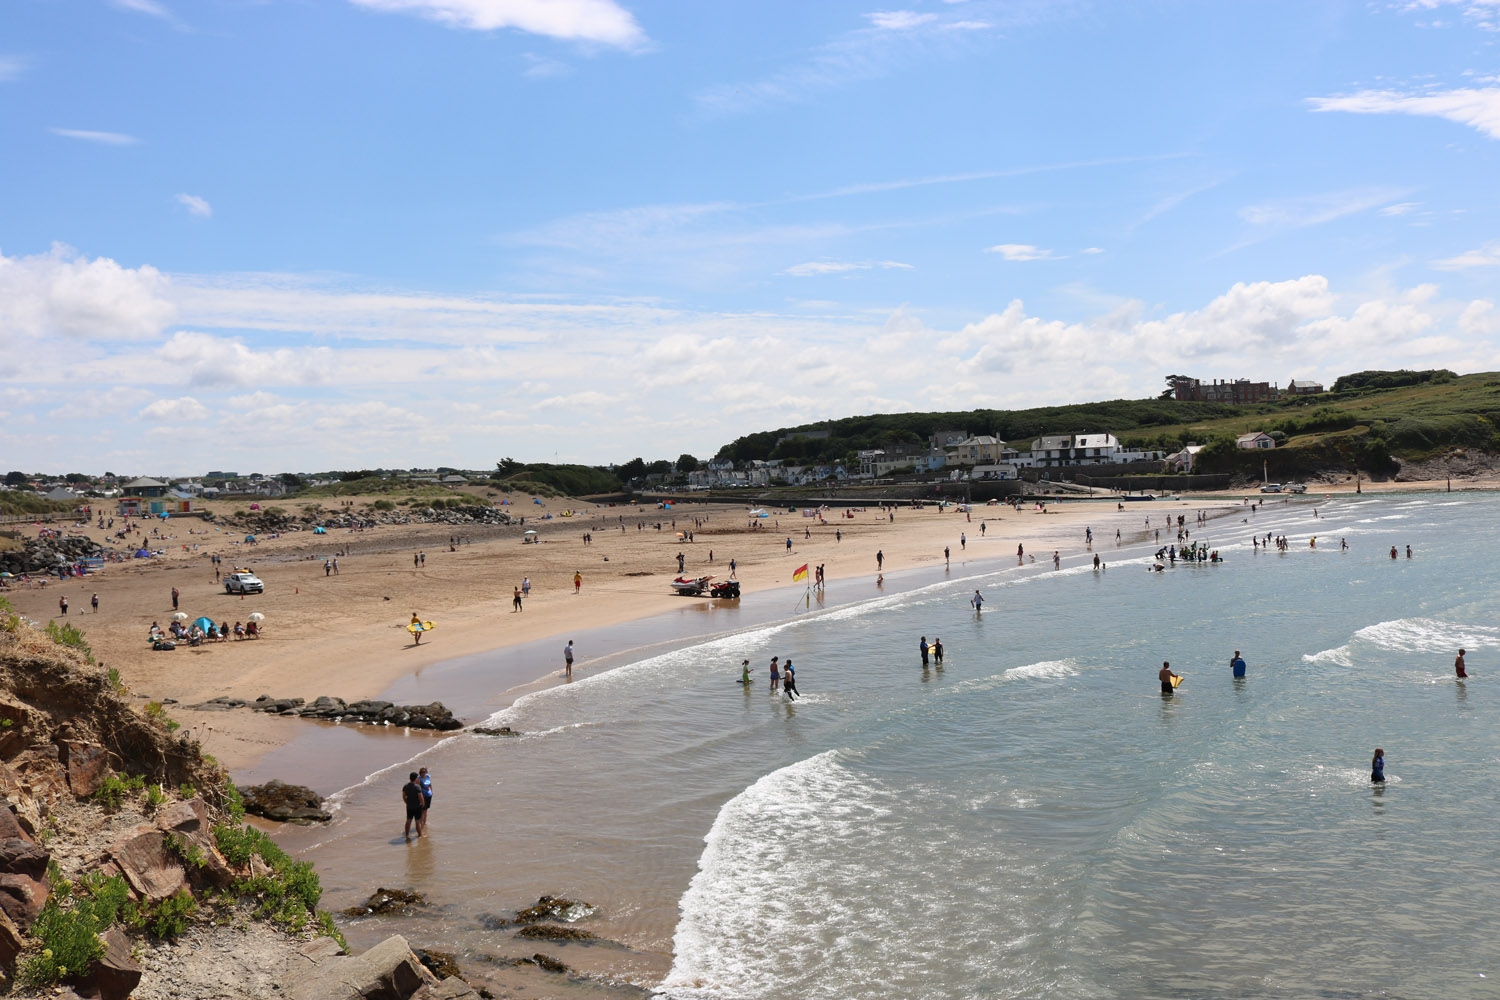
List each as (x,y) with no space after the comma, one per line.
(691,586)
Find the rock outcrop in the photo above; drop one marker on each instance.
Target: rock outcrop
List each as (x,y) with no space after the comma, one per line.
(44,555)
(285,803)
(374,713)
(388,971)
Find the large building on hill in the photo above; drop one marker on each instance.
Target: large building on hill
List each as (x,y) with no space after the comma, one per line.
(1237,391)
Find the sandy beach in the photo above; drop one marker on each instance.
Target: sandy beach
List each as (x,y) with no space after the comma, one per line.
(343,634)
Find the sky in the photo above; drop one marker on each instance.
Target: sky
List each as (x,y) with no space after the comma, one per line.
(296,235)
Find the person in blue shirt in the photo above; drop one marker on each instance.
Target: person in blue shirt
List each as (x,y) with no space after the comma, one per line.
(1237,665)
(425,781)
(1377,766)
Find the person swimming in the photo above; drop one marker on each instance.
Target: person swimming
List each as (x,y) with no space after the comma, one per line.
(1377,766)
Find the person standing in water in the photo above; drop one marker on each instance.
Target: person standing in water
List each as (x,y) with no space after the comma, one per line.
(745,674)
(789,680)
(1166,675)
(411,795)
(1237,666)
(425,781)
(1377,767)
(937,651)
(775,673)
(568,659)
(922,648)
(1458,665)
(978,602)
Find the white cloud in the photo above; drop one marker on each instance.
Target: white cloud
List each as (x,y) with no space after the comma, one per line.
(209,360)
(1486,256)
(61,293)
(1480,319)
(102,138)
(899,20)
(602,22)
(820,267)
(148,7)
(1401,208)
(1477,107)
(1092,250)
(1021,251)
(195,205)
(184,409)
(11,67)
(543,68)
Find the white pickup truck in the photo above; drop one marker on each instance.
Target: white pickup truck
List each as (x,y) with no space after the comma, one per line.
(243,583)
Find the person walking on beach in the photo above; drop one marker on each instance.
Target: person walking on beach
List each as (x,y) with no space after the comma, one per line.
(1458,665)
(95,602)
(732,565)
(62,605)
(922,648)
(945,557)
(1166,676)
(1377,767)
(568,659)
(775,673)
(1237,666)
(789,680)
(525,586)
(174,589)
(515,602)
(411,795)
(416,629)
(879,560)
(1020,553)
(424,780)
(577,582)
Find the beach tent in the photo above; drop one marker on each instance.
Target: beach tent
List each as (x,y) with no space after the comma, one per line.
(142,554)
(536,500)
(205,623)
(249,538)
(320,530)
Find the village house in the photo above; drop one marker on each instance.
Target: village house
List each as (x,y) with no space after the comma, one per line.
(1238,391)
(1301,387)
(982,449)
(1056,450)
(146,487)
(1255,439)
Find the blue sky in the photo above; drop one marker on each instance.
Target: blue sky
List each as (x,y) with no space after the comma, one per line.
(304,234)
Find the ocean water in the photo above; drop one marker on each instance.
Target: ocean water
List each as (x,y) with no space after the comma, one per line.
(1033,819)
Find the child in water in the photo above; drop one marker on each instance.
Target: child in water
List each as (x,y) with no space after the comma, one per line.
(1377,766)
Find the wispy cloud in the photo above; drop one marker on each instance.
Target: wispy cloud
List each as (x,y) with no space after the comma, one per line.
(602,22)
(103,138)
(877,187)
(543,67)
(1021,251)
(196,206)
(1476,107)
(892,40)
(1171,201)
(899,20)
(11,67)
(821,267)
(1316,209)
(1486,256)
(151,8)
(1401,208)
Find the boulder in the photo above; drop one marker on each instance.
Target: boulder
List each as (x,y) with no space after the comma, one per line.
(324,707)
(387,901)
(369,708)
(189,816)
(12,941)
(555,908)
(153,871)
(22,898)
(88,766)
(487,731)
(286,803)
(548,964)
(550,932)
(116,975)
(23,857)
(443,964)
(388,971)
(449,989)
(10,824)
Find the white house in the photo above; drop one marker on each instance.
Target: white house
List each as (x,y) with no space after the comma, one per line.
(981,449)
(1055,450)
(1255,439)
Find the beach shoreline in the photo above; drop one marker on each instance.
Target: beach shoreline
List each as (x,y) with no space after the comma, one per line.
(343,635)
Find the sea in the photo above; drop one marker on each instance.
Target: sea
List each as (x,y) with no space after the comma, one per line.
(1034,817)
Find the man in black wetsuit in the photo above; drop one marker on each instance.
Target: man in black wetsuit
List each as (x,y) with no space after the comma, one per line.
(411,794)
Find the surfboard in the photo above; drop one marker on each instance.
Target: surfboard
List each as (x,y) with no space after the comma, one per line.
(424,627)
(1176,680)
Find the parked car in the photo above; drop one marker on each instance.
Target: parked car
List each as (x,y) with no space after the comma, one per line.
(1271,488)
(243,583)
(1294,488)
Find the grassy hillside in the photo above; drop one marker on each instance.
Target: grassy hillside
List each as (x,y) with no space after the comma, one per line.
(1362,427)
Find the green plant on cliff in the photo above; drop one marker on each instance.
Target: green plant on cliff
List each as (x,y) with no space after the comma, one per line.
(9,620)
(67,635)
(288,893)
(70,936)
(113,789)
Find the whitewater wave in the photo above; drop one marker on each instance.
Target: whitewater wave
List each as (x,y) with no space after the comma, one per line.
(1407,635)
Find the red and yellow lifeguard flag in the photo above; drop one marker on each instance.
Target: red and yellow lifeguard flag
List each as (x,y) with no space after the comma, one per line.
(800,574)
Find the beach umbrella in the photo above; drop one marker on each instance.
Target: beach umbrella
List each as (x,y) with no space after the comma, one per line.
(179,616)
(205,623)
(256,616)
